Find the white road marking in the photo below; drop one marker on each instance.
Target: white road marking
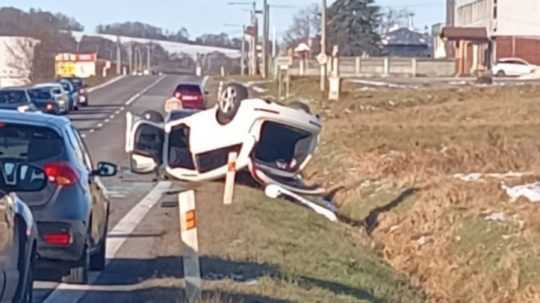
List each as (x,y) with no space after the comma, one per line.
(142,92)
(65,293)
(117,112)
(105,84)
(107,120)
(111,117)
(122,108)
(92,130)
(100,125)
(83,136)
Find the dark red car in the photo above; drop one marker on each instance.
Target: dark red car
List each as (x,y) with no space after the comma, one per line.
(191,96)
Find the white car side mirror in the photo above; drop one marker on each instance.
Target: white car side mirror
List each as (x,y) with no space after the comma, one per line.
(142,164)
(273,191)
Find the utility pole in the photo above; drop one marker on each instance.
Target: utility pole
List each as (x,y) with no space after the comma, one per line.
(274,42)
(253,31)
(118,56)
(130,58)
(148,56)
(140,68)
(255,40)
(266,27)
(243,57)
(323,57)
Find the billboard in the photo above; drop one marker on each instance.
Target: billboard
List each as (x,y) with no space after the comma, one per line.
(79,65)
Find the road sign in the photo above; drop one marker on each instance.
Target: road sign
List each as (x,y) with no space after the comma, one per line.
(322,58)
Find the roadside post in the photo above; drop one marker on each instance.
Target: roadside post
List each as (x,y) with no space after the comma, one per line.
(335,79)
(230,179)
(220,90)
(414,67)
(189,235)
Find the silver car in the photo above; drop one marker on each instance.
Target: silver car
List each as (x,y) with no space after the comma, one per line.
(72,212)
(50,98)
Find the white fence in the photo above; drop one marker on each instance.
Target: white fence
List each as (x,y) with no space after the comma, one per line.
(378,66)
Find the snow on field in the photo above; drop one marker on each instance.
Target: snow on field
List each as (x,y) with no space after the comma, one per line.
(528,191)
(171,47)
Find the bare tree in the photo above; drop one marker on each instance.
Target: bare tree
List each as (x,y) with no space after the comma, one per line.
(21,57)
(306,24)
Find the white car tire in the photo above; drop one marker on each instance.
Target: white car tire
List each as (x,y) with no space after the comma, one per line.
(229,101)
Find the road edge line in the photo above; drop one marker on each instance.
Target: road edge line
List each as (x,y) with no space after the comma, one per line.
(103,85)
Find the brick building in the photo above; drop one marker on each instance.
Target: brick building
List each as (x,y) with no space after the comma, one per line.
(512,28)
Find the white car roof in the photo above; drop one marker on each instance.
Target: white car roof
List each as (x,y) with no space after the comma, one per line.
(44,85)
(511,59)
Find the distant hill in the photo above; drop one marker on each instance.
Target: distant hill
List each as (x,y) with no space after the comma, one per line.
(173,48)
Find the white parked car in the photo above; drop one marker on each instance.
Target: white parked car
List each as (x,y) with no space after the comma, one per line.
(513,67)
(275,142)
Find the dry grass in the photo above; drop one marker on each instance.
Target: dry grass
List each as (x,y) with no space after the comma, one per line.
(378,143)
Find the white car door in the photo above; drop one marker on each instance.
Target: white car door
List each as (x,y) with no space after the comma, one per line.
(144,144)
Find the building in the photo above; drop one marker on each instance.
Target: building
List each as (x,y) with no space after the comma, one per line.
(512,29)
(16,60)
(439,46)
(404,42)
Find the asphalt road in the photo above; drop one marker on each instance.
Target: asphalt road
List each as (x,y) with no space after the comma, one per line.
(135,221)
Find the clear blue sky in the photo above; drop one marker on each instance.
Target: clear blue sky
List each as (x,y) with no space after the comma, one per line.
(200,16)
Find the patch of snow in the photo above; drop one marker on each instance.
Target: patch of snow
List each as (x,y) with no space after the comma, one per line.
(528,191)
(479,177)
(496,217)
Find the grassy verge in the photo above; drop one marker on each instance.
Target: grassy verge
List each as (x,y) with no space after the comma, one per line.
(379,143)
(294,255)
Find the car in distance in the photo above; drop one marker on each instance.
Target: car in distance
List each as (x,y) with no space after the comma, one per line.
(72,92)
(72,211)
(513,67)
(50,98)
(16,99)
(275,142)
(81,87)
(190,95)
(18,234)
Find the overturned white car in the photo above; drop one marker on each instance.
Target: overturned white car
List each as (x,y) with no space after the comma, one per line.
(274,142)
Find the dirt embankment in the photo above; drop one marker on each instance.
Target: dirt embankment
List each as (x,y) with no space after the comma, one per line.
(393,154)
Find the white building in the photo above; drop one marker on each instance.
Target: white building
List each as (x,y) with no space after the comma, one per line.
(513,26)
(500,17)
(16,60)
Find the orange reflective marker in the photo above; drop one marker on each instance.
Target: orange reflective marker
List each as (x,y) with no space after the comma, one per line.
(230,179)
(232,166)
(191,220)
